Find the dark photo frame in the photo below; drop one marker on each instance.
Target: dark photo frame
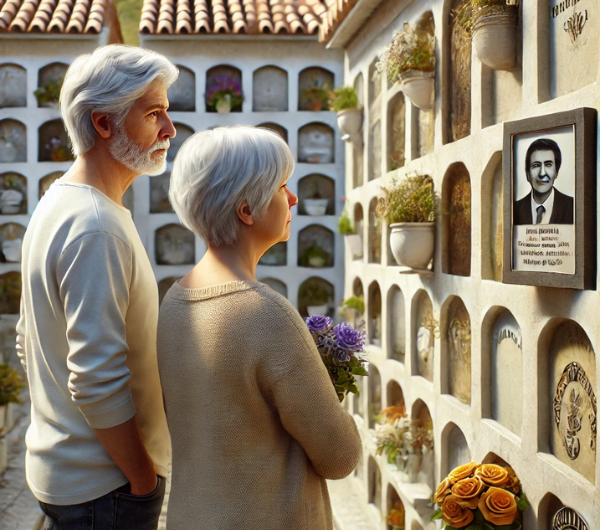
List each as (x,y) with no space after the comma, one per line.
(549,172)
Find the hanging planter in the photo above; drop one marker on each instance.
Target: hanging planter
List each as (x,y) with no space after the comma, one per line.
(354,246)
(413,244)
(495,36)
(344,100)
(223,105)
(419,87)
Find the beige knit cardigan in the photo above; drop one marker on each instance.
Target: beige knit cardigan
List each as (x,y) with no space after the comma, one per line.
(255,422)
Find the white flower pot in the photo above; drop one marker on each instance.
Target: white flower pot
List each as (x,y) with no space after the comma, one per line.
(413,244)
(317,261)
(354,246)
(314,310)
(11,248)
(223,105)
(495,36)
(350,125)
(315,206)
(10,201)
(419,87)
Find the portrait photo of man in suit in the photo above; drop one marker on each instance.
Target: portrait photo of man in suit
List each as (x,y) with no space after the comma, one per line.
(544,204)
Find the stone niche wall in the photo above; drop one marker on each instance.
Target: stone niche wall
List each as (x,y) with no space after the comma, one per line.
(313,84)
(316,144)
(54,144)
(316,247)
(50,79)
(396,132)
(182,93)
(13,86)
(315,291)
(424,130)
(374,314)
(11,240)
(456,221)
(13,141)
(358,152)
(275,127)
(396,324)
(223,71)
(270,90)
(394,502)
(456,451)
(277,285)
(374,394)
(374,483)
(316,186)
(567,400)
(183,133)
(174,245)
(46,182)
(276,255)
(164,285)
(374,233)
(424,328)
(456,349)
(374,121)
(421,418)
(395,395)
(159,194)
(359,224)
(10,293)
(491,219)
(13,194)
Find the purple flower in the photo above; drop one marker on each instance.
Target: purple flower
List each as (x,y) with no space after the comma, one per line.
(341,355)
(348,338)
(319,324)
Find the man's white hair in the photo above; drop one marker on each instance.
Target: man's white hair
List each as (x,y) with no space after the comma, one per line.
(216,170)
(109,80)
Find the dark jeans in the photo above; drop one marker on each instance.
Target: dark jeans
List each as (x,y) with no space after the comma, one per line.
(117,510)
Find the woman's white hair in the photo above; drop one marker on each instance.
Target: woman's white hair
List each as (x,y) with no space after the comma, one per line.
(216,170)
(109,81)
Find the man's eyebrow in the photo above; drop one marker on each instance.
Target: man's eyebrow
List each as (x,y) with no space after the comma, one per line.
(156,106)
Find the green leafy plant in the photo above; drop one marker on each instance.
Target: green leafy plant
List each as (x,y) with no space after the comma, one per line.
(315,251)
(10,385)
(343,98)
(49,92)
(354,302)
(345,225)
(315,294)
(411,200)
(317,96)
(413,48)
(466,13)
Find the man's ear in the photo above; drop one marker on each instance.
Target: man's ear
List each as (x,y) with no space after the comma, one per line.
(102,124)
(244,213)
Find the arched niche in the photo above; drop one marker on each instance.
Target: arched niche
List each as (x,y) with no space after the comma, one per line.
(159,193)
(396,132)
(315,292)
(182,93)
(395,395)
(567,400)
(374,394)
(222,75)
(456,225)
(174,245)
(396,324)
(10,293)
(13,141)
(422,422)
(358,152)
(11,240)
(375,150)
(416,526)
(374,314)
(456,450)
(395,509)
(458,104)
(54,144)
(549,505)
(492,194)
(357,287)
(270,90)
(164,285)
(374,82)
(280,130)
(374,233)
(13,194)
(129,199)
(359,224)
(50,80)
(424,329)
(374,492)
(316,247)
(316,144)
(503,361)
(316,189)
(456,348)
(46,182)
(13,86)
(314,83)
(277,285)
(276,255)
(183,133)
(424,132)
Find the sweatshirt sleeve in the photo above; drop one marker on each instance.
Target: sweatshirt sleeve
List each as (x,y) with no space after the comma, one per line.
(306,400)
(21,331)
(94,275)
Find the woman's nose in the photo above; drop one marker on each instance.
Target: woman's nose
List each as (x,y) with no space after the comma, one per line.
(292,198)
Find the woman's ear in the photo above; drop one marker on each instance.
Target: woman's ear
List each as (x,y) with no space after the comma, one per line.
(102,124)
(244,213)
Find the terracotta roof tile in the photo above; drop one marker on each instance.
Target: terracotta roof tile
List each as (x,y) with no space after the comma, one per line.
(335,13)
(59,16)
(286,17)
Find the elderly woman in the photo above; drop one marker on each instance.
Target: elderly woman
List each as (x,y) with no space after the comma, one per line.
(255,422)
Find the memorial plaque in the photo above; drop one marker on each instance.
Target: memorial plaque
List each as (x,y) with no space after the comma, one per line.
(568,519)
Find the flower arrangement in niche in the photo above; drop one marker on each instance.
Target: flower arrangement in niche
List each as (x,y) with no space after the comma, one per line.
(340,348)
(317,96)
(411,200)
(224,93)
(480,497)
(395,517)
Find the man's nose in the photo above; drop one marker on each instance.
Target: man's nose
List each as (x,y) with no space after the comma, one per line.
(168,129)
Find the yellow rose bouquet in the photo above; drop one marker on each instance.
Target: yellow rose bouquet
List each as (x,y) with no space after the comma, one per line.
(480,497)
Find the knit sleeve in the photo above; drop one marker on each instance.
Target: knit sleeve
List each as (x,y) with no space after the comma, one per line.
(94,275)
(305,398)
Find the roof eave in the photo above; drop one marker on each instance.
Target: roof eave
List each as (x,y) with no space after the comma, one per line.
(353,23)
(146,37)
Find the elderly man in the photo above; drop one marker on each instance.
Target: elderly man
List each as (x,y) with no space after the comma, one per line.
(98,444)
(545,204)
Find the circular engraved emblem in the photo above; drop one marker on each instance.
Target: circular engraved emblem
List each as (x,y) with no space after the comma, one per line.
(568,519)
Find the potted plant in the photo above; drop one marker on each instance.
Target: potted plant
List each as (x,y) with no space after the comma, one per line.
(352,240)
(492,25)
(481,497)
(315,256)
(317,298)
(224,93)
(349,116)
(317,96)
(395,517)
(48,94)
(409,207)
(10,386)
(11,197)
(410,58)
(315,204)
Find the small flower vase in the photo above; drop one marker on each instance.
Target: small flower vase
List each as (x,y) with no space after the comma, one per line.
(401,462)
(413,466)
(11,248)
(316,105)
(223,105)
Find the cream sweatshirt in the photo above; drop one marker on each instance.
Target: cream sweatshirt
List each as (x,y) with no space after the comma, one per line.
(87,339)
(255,422)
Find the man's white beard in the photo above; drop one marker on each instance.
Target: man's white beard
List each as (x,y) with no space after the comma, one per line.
(124,150)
